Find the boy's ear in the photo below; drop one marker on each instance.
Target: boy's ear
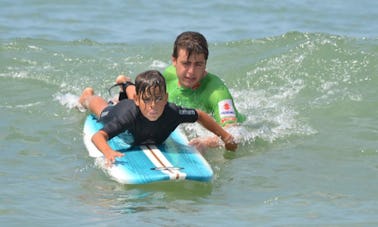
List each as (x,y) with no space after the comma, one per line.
(174,61)
(136,99)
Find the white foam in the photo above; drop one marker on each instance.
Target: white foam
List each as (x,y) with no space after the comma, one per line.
(271,113)
(158,64)
(70,101)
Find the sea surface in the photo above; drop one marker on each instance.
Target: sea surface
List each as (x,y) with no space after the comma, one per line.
(304,72)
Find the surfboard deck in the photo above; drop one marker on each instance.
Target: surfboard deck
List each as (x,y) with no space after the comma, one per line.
(171,161)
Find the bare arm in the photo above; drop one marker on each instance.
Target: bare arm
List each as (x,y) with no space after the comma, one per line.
(100,139)
(210,124)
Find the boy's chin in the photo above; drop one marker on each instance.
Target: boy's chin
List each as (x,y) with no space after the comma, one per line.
(153,118)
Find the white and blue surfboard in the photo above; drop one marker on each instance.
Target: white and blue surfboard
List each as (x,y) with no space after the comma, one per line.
(173,160)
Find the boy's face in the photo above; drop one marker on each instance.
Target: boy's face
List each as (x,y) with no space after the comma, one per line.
(189,70)
(151,104)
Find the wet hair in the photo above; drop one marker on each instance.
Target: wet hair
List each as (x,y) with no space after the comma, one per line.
(146,83)
(192,42)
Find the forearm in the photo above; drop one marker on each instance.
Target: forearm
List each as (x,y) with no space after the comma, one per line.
(210,124)
(100,139)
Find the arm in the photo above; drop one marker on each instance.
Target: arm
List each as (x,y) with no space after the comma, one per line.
(209,123)
(100,139)
(127,88)
(219,100)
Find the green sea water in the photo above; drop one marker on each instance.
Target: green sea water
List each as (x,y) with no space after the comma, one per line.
(308,150)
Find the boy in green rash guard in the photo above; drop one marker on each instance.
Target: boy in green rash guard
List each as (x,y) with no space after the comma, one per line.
(189,84)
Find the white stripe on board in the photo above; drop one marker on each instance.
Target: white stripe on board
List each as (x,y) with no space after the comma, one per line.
(162,163)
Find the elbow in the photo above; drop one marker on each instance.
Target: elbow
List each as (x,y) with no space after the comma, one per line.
(100,135)
(201,115)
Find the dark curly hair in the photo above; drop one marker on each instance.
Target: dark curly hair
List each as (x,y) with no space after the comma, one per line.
(146,82)
(192,42)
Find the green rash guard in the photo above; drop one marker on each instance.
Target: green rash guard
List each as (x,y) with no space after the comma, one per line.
(211,96)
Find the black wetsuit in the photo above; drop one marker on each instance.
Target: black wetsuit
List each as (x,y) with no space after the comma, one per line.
(126,116)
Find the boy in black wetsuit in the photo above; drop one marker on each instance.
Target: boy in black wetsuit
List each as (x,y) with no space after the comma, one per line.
(149,117)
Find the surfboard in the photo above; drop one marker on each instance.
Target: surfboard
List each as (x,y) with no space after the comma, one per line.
(174,160)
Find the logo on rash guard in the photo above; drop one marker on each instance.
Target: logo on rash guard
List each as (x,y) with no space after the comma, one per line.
(226,109)
(187,112)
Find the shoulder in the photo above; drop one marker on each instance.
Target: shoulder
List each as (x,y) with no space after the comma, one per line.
(214,88)
(126,106)
(169,73)
(126,103)
(179,110)
(212,81)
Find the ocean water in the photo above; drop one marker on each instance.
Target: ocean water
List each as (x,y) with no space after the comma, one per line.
(303,72)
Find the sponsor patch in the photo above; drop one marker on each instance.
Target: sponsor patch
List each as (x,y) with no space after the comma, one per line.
(226,109)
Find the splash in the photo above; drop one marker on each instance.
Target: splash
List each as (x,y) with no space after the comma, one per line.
(271,113)
(70,101)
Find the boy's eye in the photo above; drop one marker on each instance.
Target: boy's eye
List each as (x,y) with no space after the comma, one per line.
(200,64)
(147,100)
(150,99)
(196,64)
